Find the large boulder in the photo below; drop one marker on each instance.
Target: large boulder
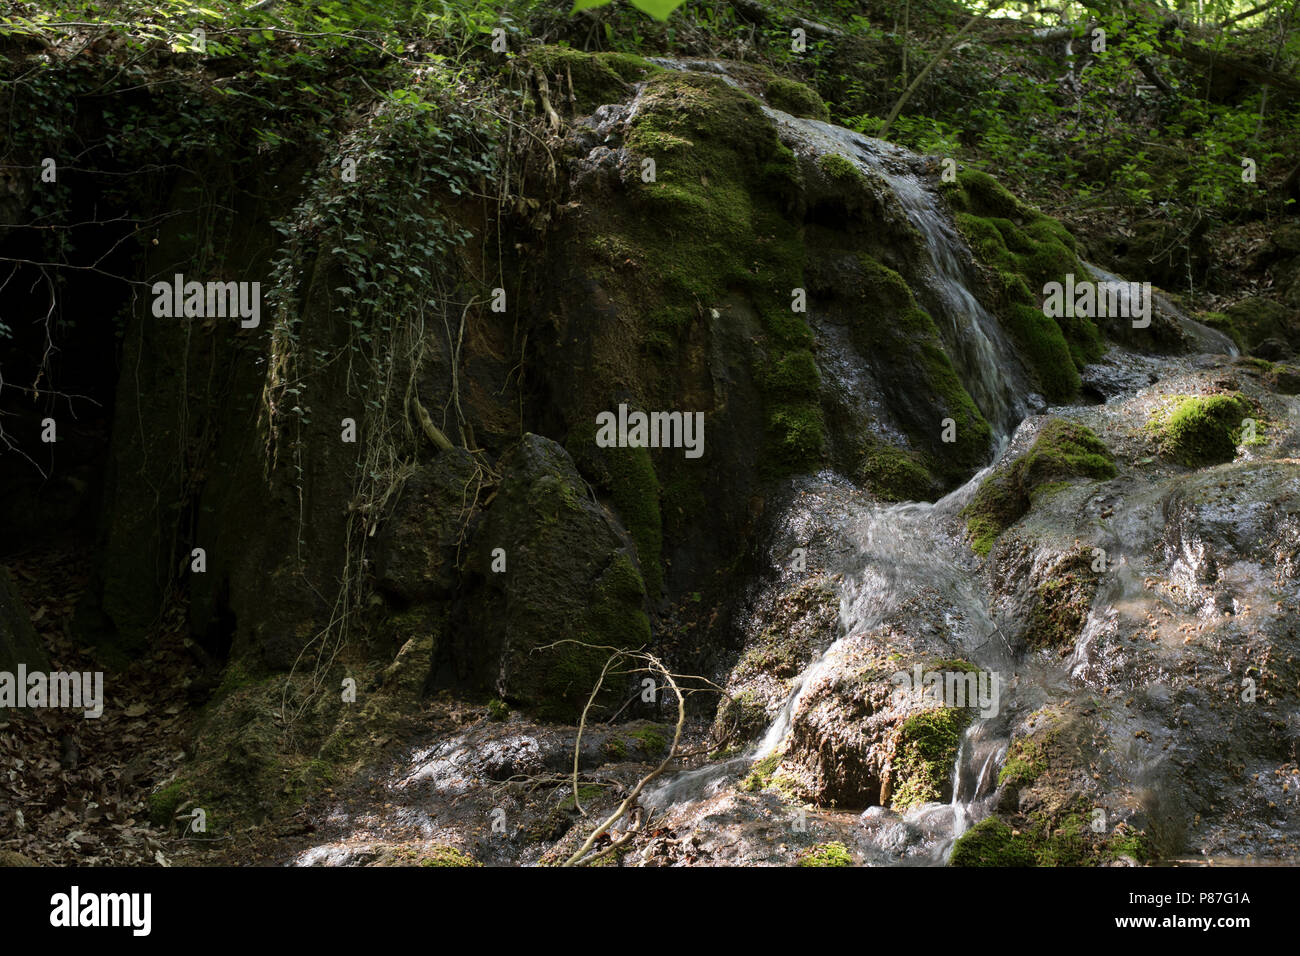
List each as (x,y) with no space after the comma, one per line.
(546,564)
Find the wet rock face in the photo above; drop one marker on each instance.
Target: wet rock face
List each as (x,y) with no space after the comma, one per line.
(563,572)
(853,743)
(1176,728)
(416,553)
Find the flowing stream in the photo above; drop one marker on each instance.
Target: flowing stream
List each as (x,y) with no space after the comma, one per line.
(900,551)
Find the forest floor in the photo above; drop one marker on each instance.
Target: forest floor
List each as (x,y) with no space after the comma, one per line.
(75,786)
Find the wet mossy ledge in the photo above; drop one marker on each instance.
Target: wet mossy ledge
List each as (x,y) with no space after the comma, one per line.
(1062,451)
(925,750)
(1064,841)
(1025,249)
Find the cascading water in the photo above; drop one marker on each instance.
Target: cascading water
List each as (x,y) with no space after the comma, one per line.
(904,548)
(975,341)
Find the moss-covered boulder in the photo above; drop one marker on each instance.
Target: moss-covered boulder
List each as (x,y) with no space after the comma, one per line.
(1054,807)
(1200,430)
(570,579)
(795,98)
(1261,326)
(1062,451)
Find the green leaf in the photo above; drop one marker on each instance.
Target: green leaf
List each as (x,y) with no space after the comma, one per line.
(588,4)
(659,9)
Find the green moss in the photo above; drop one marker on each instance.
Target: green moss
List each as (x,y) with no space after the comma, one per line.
(162,804)
(1200,430)
(1062,450)
(839,169)
(616,748)
(635,489)
(1065,449)
(794,374)
(598,78)
(795,98)
(1041,340)
(713,225)
(892,325)
(1126,841)
(498,709)
(991,843)
(924,751)
(1026,761)
(796,436)
(652,740)
(895,474)
(1062,602)
(1064,839)
(827,854)
(760,775)
(1025,250)
(442,855)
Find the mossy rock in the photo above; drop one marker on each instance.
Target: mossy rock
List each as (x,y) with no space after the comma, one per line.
(827,854)
(1200,430)
(724,182)
(992,843)
(1025,250)
(598,78)
(896,474)
(1062,602)
(925,749)
(1260,326)
(536,635)
(13,858)
(1026,761)
(1062,450)
(163,803)
(795,98)
(891,324)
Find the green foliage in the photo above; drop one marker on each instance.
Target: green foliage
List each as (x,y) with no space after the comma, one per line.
(659,9)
